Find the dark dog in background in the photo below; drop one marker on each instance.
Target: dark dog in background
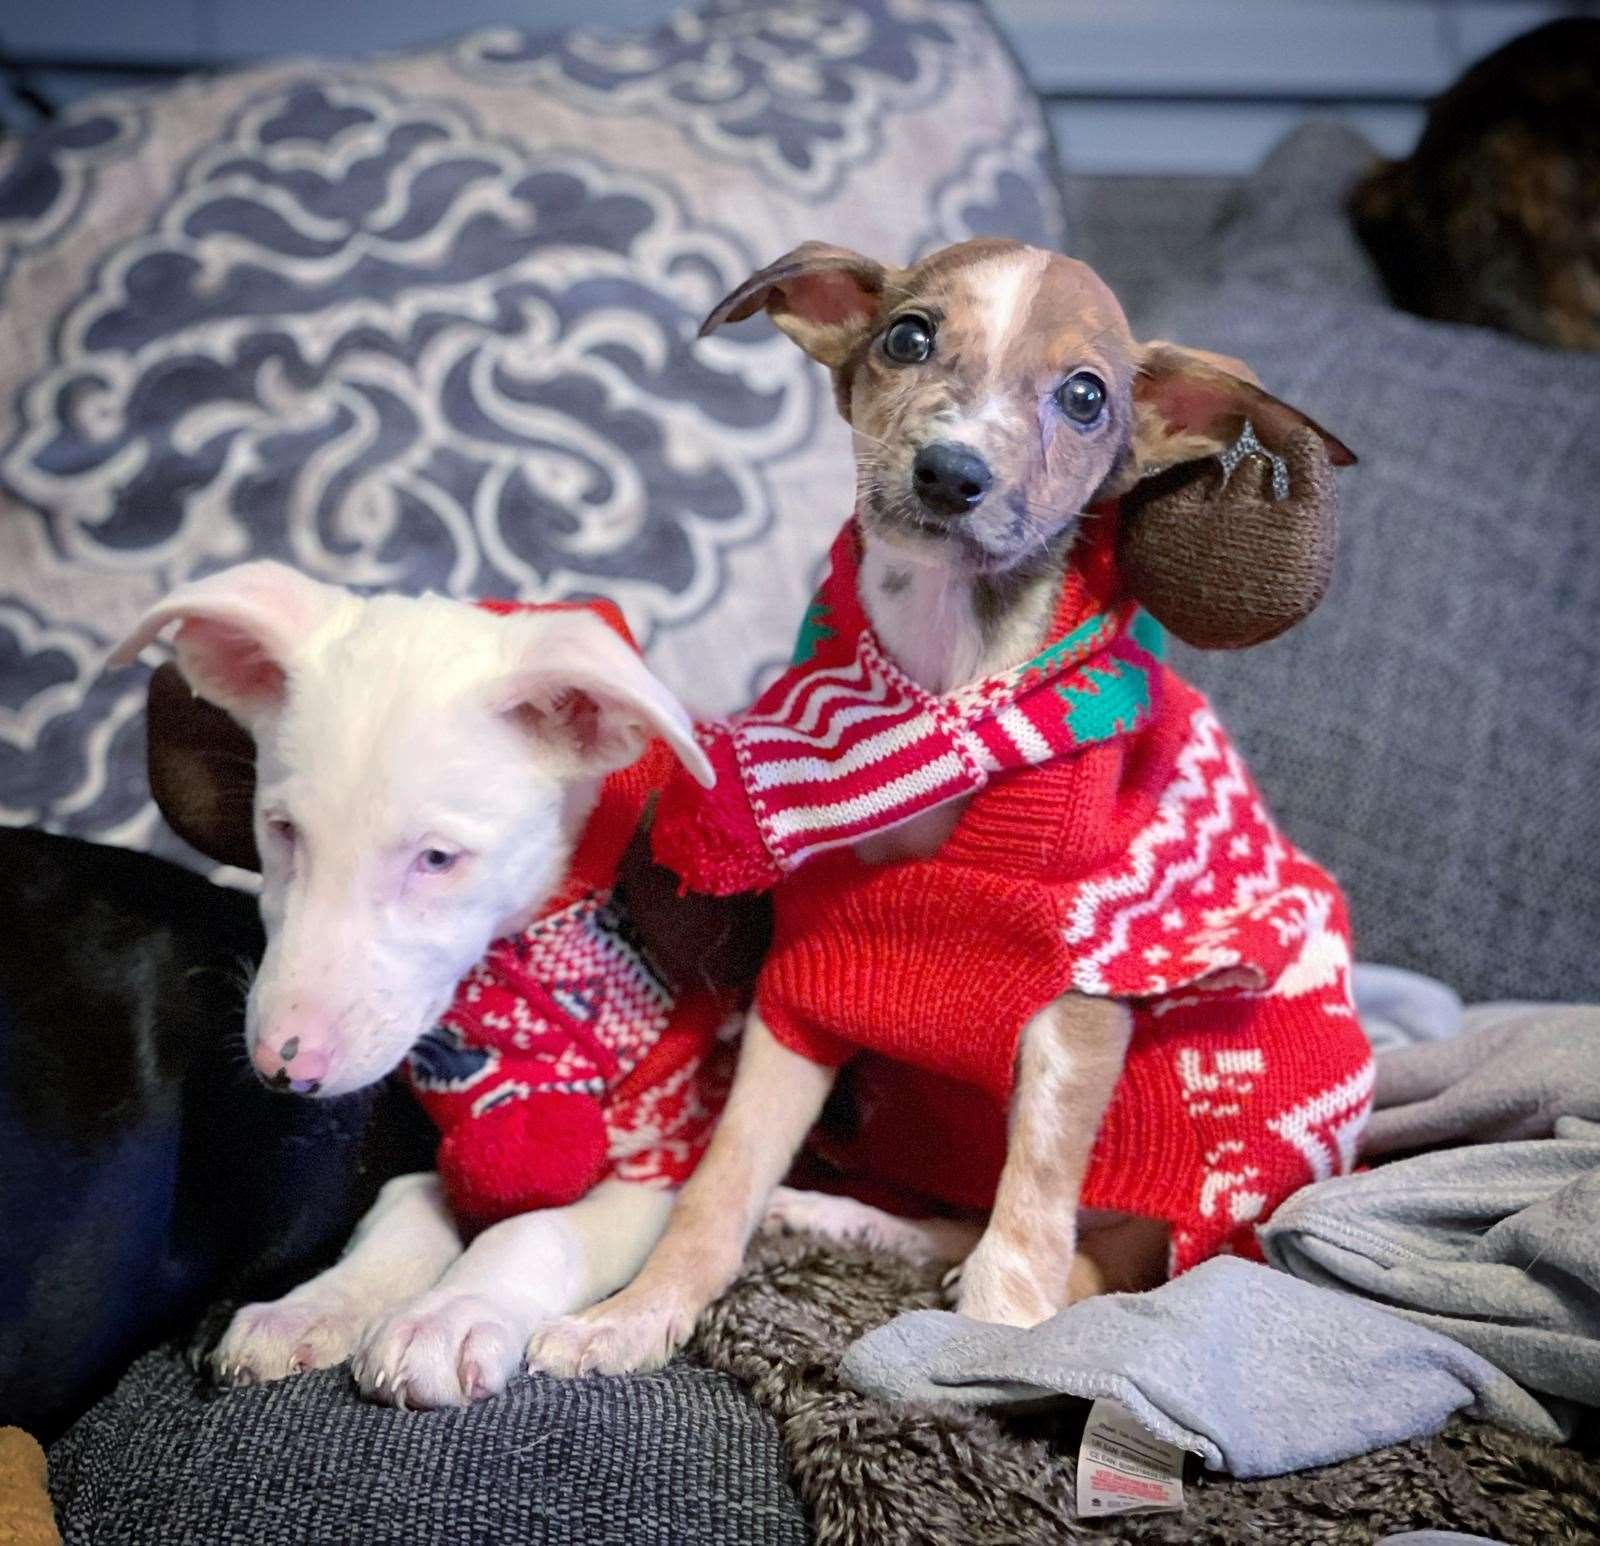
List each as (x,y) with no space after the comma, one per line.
(1494,219)
(144,1170)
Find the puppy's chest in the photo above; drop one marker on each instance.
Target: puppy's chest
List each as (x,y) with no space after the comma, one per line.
(928,621)
(573,999)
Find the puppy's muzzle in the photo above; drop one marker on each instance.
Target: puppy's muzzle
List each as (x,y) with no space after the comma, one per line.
(950,479)
(291,1066)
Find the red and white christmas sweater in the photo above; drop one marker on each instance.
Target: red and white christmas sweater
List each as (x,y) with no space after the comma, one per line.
(1114,845)
(566,1055)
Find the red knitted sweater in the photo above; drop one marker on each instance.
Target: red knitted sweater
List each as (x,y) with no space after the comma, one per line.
(1146,869)
(1143,866)
(567,1055)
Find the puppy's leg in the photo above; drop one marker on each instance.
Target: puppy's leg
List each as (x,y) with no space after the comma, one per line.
(776,1096)
(464,1338)
(1067,1067)
(857,1223)
(400,1247)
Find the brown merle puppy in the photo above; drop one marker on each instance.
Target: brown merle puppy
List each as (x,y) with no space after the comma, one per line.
(996,394)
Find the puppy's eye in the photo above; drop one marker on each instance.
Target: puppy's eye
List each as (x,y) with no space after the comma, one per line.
(436,861)
(1082,398)
(909,340)
(281,830)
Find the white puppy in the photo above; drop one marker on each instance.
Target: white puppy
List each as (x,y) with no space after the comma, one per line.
(423,770)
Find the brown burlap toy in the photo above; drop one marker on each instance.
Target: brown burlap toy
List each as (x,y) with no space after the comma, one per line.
(26,1517)
(1218,559)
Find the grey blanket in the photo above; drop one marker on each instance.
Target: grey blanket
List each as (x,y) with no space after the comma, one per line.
(1399,1008)
(1256,1373)
(1497,1247)
(1514,1070)
(1485,1261)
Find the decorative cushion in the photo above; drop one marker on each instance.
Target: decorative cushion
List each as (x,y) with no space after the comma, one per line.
(428,322)
(1430,732)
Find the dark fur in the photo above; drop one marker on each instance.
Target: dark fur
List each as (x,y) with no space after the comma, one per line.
(1494,219)
(143,1169)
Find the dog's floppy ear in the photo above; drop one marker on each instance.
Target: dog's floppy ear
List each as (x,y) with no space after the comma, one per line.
(1190,403)
(584,692)
(238,632)
(1218,559)
(202,767)
(825,298)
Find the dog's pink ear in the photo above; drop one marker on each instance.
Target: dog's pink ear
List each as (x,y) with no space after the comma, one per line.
(583,692)
(1190,403)
(825,298)
(237,632)
(1221,560)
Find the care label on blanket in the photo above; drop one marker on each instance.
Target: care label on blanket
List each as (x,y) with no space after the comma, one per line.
(1123,1468)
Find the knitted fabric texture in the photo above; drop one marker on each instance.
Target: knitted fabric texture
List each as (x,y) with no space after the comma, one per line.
(566,1055)
(1141,866)
(844,744)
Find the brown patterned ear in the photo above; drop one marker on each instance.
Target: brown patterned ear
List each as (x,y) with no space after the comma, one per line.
(1189,403)
(202,771)
(825,298)
(1221,562)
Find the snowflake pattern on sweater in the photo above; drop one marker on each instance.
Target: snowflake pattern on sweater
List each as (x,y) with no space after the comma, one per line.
(574,1006)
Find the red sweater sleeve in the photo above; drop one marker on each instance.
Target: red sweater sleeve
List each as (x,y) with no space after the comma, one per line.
(801,1033)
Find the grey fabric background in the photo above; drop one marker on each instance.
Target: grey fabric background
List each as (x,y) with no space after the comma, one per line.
(661,1460)
(1432,733)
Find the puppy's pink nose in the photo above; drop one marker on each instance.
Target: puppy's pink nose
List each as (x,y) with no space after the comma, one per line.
(290,1065)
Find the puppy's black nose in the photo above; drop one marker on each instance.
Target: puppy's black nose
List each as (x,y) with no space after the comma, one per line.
(950,479)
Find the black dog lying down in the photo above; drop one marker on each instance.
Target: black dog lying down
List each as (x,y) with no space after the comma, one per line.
(144,1171)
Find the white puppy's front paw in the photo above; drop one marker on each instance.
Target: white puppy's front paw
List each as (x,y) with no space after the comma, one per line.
(307,1329)
(626,1334)
(443,1348)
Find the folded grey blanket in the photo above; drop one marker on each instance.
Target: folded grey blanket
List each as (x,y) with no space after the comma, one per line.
(1497,1246)
(1432,1285)
(1255,1372)
(1513,1070)
(1494,1243)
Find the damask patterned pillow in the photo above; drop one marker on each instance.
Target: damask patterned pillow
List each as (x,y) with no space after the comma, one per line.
(428,323)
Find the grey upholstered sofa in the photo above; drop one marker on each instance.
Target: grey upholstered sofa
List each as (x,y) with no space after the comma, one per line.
(1429,734)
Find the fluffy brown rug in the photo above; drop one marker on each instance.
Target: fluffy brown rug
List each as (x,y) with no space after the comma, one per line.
(872,1475)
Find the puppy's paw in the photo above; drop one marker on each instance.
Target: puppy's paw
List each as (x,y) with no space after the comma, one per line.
(847,1221)
(1003,1293)
(794,1212)
(626,1334)
(308,1329)
(443,1348)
